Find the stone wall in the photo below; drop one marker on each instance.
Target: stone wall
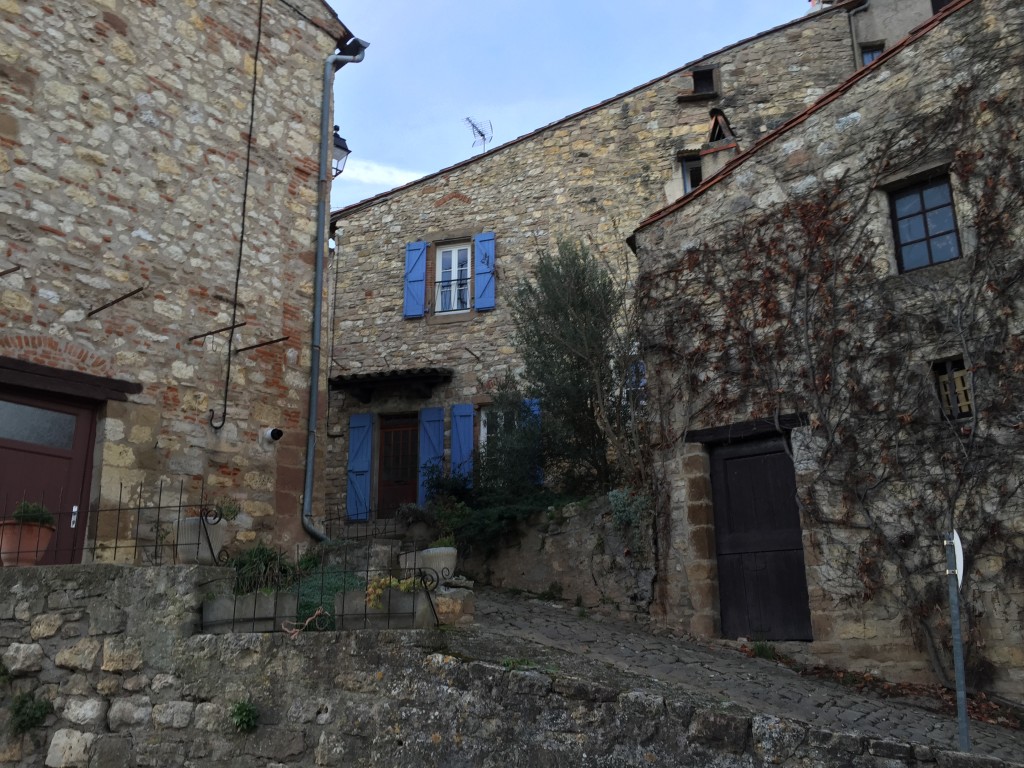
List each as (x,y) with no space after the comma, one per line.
(591,176)
(124,130)
(878,132)
(579,553)
(112,649)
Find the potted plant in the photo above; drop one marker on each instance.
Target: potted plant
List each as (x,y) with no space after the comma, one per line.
(264,594)
(387,602)
(25,537)
(203,532)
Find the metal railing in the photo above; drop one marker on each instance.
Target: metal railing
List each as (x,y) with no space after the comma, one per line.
(362,582)
(451,295)
(360,578)
(166,525)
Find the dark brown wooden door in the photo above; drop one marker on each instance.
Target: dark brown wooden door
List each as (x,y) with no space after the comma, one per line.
(762,582)
(46,456)
(398,463)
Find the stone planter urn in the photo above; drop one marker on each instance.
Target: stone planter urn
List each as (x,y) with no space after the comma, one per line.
(397,610)
(252,612)
(24,543)
(200,541)
(440,560)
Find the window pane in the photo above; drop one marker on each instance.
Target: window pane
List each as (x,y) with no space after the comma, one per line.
(907,203)
(940,220)
(945,248)
(38,426)
(911,229)
(937,194)
(914,256)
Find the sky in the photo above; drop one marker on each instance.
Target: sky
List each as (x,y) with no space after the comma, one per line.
(519,64)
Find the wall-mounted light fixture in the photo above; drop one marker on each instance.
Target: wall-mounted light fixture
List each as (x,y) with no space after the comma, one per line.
(340,154)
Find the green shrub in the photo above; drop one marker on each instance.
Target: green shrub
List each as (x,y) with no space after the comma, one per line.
(28,712)
(262,569)
(32,512)
(628,507)
(244,716)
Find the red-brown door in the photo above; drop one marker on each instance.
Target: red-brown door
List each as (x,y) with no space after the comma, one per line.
(398,463)
(762,583)
(46,456)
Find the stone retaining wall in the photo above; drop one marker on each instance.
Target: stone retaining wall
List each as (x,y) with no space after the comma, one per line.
(113,649)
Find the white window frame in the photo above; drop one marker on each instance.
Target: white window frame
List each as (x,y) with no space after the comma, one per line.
(453,286)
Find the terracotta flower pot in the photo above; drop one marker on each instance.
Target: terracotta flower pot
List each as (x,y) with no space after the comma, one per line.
(24,543)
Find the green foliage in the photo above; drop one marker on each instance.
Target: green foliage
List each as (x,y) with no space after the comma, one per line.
(482,512)
(565,321)
(628,507)
(444,541)
(262,569)
(28,712)
(32,512)
(763,650)
(553,592)
(244,716)
(228,509)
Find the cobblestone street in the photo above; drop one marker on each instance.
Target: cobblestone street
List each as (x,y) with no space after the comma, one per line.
(760,686)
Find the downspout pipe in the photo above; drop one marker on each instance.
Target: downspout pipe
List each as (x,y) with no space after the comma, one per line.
(351,53)
(857,61)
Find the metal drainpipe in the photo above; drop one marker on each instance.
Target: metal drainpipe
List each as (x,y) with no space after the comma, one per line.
(333,63)
(857,62)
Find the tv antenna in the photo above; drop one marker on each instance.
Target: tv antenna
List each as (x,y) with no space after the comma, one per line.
(482,132)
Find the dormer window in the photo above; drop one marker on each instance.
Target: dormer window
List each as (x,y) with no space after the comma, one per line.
(705,85)
(704,81)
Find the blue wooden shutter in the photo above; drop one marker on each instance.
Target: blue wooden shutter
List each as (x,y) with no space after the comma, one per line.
(431,447)
(483,265)
(360,441)
(533,406)
(415,279)
(462,440)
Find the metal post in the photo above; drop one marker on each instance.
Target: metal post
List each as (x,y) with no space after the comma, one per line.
(964,738)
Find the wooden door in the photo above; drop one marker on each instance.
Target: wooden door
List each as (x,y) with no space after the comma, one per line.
(398,463)
(46,456)
(762,582)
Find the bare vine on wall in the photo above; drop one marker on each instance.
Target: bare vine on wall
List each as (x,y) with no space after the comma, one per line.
(797,309)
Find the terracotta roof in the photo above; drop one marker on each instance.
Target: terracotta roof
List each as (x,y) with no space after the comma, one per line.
(915,34)
(342,212)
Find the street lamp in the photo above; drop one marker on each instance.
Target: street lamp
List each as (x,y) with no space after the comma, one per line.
(340,154)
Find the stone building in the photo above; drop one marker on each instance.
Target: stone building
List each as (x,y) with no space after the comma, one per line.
(838,365)
(158,191)
(422,332)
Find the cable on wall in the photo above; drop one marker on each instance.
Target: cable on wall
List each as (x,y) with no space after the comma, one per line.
(241,237)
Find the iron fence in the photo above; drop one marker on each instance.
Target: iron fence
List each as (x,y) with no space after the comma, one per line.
(359,578)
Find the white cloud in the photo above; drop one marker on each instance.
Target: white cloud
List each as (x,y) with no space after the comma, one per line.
(376,174)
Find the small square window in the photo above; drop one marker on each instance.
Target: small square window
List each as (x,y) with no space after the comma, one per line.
(924,224)
(953,384)
(704,81)
(692,173)
(938,5)
(869,53)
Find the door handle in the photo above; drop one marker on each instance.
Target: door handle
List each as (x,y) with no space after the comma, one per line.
(74,516)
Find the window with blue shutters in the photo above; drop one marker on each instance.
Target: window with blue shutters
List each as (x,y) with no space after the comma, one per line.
(449,277)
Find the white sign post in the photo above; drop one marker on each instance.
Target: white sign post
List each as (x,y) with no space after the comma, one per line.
(955,578)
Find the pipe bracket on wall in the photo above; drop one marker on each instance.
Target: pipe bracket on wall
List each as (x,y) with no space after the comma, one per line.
(118,300)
